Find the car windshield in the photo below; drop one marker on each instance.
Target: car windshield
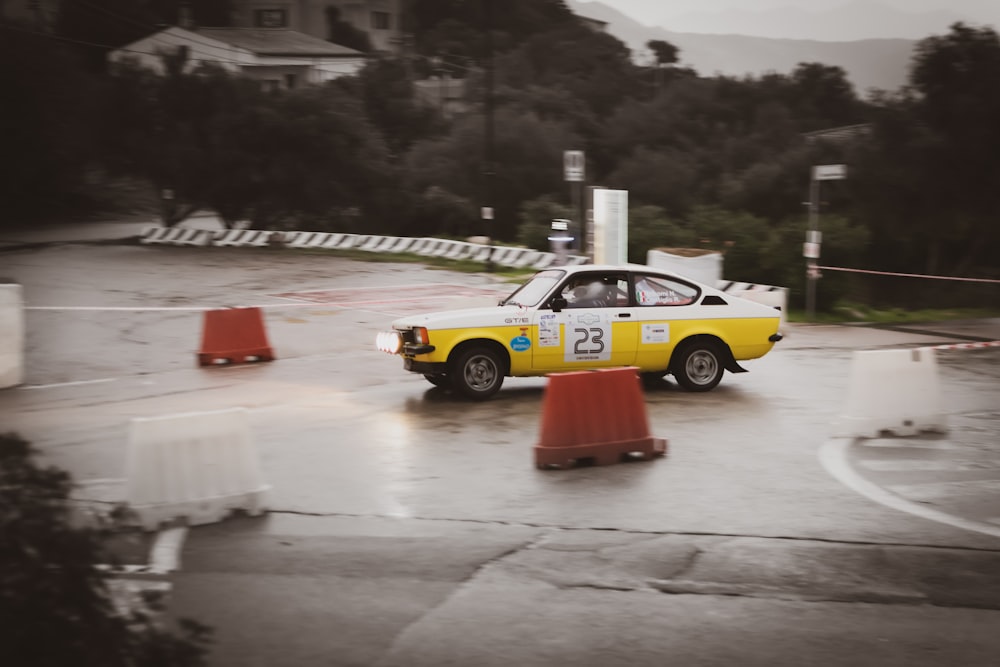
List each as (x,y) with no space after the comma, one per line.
(532,292)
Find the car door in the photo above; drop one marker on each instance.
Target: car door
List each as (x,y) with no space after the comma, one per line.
(665,310)
(596,329)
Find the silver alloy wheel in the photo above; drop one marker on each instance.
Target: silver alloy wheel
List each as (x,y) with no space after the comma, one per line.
(701,367)
(698,365)
(481,372)
(478,372)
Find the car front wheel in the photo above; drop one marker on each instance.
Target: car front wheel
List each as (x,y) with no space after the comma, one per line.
(437,379)
(478,373)
(698,366)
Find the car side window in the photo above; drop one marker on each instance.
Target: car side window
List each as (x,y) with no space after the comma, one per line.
(596,291)
(660,291)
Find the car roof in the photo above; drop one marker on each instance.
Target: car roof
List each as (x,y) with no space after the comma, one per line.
(586,268)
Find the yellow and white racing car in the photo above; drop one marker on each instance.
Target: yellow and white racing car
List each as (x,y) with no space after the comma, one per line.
(584,317)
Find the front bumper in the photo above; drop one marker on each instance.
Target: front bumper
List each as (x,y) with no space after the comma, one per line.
(414,349)
(424,367)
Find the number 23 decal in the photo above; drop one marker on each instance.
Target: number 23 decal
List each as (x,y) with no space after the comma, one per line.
(588,341)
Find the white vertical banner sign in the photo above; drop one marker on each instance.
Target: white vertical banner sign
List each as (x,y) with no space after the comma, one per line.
(573,165)
(610,226)
(829,172)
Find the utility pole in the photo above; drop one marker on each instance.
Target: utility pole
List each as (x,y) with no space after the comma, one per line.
(810,250)
(488,166)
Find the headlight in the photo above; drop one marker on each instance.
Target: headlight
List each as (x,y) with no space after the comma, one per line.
(389,341)
(420,336)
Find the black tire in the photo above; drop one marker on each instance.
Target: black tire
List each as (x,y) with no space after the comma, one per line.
(437,379)
(477,372)
(698,366)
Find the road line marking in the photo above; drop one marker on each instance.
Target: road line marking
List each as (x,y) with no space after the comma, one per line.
(909,444)
(939,490)
(67,384)
(124,308)
(833,456)
(882,465)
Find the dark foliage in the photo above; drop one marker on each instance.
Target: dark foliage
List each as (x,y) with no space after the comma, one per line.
(369,152)
(55,609)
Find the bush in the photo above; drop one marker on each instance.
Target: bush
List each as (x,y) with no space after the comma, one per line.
(55,607)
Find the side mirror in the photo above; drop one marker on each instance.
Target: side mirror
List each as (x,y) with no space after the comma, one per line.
(558,303)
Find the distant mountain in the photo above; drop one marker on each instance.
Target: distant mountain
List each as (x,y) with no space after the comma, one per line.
(869,63)
(861,19)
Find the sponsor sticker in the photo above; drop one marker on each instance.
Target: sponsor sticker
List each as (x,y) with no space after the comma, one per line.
(656,333)
(548,330)
(520,343)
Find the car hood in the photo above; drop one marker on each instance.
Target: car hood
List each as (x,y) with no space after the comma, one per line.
(464,317)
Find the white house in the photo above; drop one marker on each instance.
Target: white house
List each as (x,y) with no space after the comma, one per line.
(278,58)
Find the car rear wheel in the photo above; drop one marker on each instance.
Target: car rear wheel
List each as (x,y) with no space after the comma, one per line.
(478,373)
(698,366)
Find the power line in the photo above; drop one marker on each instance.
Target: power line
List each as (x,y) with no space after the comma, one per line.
(193,38)
(81,42)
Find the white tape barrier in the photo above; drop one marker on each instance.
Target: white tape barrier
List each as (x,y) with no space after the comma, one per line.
(198,467)
(893,391)
(11,336)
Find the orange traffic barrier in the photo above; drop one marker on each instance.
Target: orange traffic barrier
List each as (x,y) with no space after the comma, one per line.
(234,336)
(595,418)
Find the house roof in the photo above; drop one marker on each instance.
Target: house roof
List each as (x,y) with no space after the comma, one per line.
(278,42)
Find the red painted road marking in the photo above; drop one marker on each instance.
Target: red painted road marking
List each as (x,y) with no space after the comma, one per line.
(415,298)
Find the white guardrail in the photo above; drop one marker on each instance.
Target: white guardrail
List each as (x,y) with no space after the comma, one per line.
(522,258)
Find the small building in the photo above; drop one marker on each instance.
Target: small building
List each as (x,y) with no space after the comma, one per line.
(380,20)
(277,57)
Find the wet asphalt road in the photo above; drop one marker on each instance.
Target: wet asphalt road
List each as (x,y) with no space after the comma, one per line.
(409,527)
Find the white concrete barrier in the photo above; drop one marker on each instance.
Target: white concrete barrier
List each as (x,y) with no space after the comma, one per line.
(544,260)
(197,467)
(481,253)
(157,235)
(423,245)
(769,295)
(309,240)
(372,243)
(350,241)
(527,258)
(11,335)
(404,244)
(894,391)
(445,248)
(699,264)
(242,237)
(431,247)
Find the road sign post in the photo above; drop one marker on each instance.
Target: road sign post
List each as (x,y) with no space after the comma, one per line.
(811,248)
(574,167)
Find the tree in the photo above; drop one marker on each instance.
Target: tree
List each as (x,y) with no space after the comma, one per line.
(391,105)
(594,68)
(46,126)
(55,607)
(343,33)
(457,27)
(528,155)
(927,181)
(956,77)
(664,54)
(536,218)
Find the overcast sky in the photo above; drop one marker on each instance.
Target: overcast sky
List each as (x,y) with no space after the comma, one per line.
(697,15)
